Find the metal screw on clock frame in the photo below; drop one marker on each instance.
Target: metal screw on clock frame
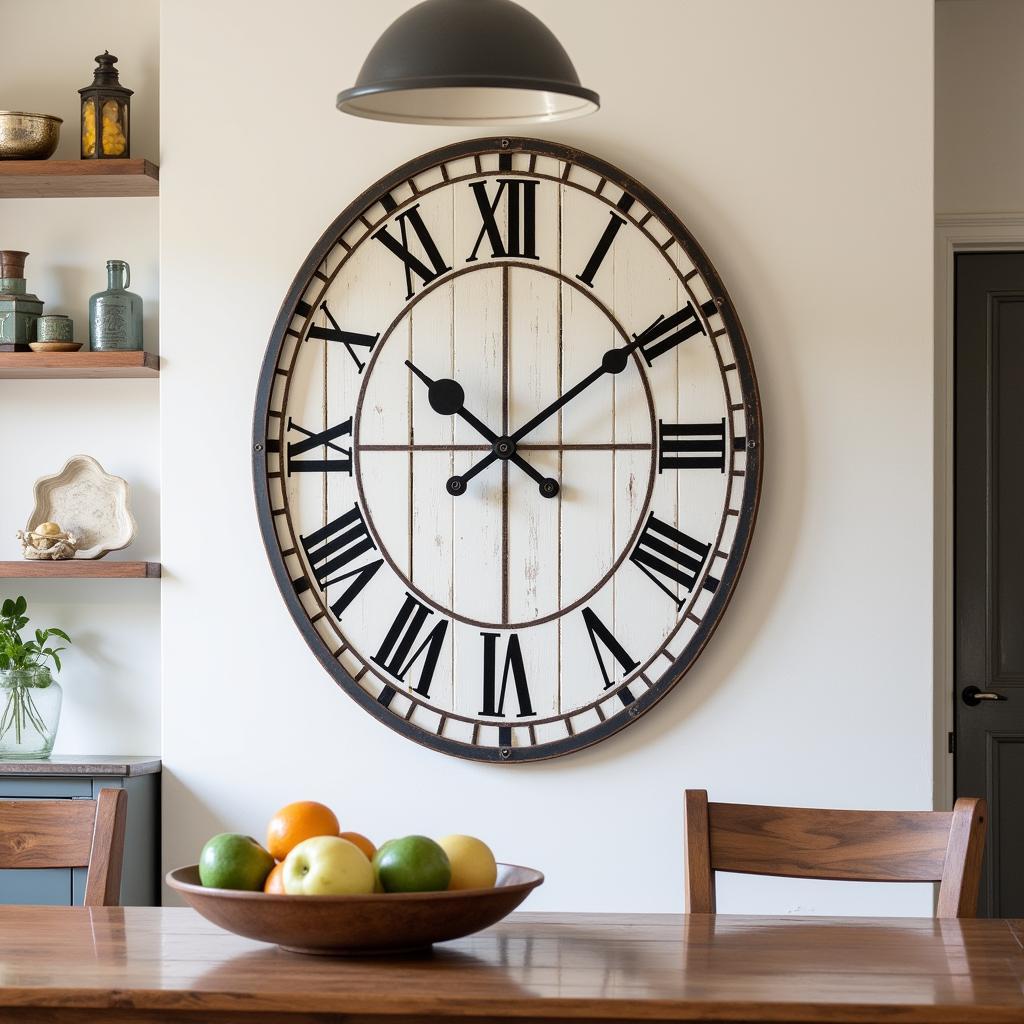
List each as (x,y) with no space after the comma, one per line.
(257,447)
(505,752)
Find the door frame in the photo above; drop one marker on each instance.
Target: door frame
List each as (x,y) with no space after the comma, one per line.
(954,233)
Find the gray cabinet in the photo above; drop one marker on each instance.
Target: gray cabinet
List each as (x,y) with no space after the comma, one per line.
(81,778)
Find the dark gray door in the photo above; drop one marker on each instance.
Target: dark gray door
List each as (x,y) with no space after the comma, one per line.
(989,562)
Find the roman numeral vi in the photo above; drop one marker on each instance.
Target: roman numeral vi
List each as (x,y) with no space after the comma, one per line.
(494,698)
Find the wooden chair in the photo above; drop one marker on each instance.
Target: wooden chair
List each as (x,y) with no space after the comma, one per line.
(861,846)
(69,834)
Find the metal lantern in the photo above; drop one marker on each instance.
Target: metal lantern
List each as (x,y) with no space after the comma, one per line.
(105,122)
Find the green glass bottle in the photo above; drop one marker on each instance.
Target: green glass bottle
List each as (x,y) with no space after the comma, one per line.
(115,315)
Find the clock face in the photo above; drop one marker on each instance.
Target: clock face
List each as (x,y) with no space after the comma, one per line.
(507,449)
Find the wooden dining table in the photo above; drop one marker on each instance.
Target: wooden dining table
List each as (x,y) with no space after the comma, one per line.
(134,965)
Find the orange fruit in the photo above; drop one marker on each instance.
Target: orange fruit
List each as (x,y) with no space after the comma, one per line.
(297,822)
(364,844)
(275,881)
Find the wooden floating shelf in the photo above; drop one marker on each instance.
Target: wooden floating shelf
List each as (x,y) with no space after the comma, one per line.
(79,569)
(74,179)
(77,365)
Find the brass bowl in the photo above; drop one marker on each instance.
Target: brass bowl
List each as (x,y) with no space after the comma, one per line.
(28,136)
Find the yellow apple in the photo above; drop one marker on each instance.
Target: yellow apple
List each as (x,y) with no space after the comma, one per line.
(472,862)
(327,866)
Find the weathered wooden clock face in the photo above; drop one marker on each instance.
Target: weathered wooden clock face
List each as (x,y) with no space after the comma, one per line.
(507,449)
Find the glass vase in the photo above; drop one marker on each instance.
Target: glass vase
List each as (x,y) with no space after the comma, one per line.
(30,700)
(115,315)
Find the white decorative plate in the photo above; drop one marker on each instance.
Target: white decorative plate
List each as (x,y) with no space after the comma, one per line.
(87,502)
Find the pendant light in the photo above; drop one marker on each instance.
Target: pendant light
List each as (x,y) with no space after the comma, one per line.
(468,62)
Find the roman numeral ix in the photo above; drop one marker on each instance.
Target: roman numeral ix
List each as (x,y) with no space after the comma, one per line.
(350,339)
(494,698)
(601,636)
(693,445)
(314,441)
(413,264)
(668,556)
(332,549)
(662,336)
(397,654)
(520,238)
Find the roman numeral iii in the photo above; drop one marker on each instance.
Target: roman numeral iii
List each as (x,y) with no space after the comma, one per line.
(315,441)
(332,549)
(398,653)
(668,556)
(601,637)
(662,336)
(493,697)
(519,238)
(350,339)
(413,264)
(693,445)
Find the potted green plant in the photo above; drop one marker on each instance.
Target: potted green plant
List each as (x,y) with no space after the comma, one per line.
(29,695)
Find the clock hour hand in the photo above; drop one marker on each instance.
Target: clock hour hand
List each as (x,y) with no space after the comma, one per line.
(447,398)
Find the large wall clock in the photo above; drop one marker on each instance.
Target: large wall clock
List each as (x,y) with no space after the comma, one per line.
(507,449)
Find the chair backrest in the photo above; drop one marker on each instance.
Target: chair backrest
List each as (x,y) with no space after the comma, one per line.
(69,834)
(860,846)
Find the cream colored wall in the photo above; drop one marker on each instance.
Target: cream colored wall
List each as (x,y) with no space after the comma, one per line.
(805,170)
(979,83)
(111,677)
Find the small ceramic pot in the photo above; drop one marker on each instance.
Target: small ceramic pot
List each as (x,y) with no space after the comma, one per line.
(54,327)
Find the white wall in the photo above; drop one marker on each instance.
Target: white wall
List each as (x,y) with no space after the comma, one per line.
(111,677)
(806,172)
(979,82)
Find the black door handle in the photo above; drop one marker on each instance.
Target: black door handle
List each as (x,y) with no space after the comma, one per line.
(972,696)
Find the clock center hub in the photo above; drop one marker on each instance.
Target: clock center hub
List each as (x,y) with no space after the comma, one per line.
(504,448)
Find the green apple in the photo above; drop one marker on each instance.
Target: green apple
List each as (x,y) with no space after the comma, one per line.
(233,861)
(412,864)
(327,866)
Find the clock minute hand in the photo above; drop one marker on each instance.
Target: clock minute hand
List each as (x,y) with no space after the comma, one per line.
(613,361)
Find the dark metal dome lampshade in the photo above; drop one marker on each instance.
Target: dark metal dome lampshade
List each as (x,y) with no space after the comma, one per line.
(468,62)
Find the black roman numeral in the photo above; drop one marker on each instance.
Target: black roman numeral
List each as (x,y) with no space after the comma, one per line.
(321,439)
(350,339)
(332,549)
(396,654)
(494,698)
(665,553)
(604,243)
(659,337)
(413,264)
(693,445)
(600,634)
(521,210)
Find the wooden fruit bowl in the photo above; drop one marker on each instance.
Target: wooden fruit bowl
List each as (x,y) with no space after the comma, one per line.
(357,925)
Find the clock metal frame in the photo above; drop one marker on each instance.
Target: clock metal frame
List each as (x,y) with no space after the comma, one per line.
(750,492)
